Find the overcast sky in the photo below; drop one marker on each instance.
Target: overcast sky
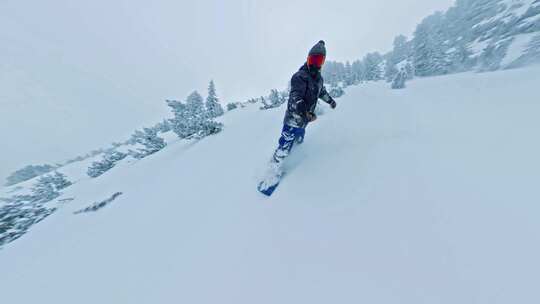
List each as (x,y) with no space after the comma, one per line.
(141,52)
(165,48)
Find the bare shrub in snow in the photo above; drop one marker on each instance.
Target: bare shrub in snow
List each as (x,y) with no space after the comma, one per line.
(96,206)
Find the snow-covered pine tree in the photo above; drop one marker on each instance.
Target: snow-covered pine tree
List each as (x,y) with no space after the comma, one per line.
(372,66)
(358,71)
(28,173)
(533,48)
(150,141)
(231,106)
(114,156)
(59,180)
(203,124)
(531,54)
(191,120)
(20,212)
(163,126)
(336,91)
(493,54)
(44,190)
(333,72)
(399,79)
(428,43)
(274,100)
(99,167)
(108,161)
(48,187)
(400,52)
(265,103)
(391,72)
(212,102)
(459,58)
(179,122)
(408,66)
(348,77)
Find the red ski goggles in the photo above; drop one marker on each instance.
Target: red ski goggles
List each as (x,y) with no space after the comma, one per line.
(316,60)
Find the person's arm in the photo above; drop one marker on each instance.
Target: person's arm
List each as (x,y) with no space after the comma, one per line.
(327,98)
(297,105)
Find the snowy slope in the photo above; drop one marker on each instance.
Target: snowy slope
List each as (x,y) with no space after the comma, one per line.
(502,31)
(422,195)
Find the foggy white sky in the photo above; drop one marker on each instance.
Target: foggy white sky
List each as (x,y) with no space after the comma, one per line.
(165,48)
(78,60)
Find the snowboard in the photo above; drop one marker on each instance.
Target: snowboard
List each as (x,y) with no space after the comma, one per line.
(271,179)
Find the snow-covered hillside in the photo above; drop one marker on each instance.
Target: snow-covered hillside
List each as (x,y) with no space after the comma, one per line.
(422,195)
(505,30)
(472,35)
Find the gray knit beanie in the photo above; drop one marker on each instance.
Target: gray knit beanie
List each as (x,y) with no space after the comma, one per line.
(318,49)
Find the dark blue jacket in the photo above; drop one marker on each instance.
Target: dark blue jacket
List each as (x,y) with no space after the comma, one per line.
(305,91)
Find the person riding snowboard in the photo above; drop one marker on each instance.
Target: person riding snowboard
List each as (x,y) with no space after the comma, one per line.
(307,86)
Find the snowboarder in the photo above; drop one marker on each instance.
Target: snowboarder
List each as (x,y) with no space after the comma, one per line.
(307,86)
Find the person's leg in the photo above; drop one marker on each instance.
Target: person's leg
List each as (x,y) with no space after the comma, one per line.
(300,133)
(286,142)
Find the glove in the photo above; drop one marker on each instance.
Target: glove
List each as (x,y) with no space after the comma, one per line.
(311,116)
(333,104)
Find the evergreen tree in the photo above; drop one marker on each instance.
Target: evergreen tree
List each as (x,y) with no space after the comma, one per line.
(149,139)
(28,173)
(274,100)
(58,180)
(399,79)
(178,123)
(400,53)
(164,126)
(459,58)
(44,190)
(533,48)
(212,102)
(372,66)
(114,156)
(409,69)
(530,55)
(99,167)
(493,54)
(429,53)
(108,161)
(348,77)
(336,91)
(358,71)
(391,72)
(333,72)
(231,106)
(18,213)
(191,120)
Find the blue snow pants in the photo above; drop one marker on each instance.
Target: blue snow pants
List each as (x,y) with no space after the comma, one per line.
(289,136)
